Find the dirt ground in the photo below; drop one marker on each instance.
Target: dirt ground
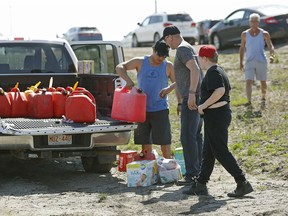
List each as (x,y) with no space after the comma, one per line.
(61,187)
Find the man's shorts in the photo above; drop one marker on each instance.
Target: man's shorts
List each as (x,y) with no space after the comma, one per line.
(256,68)
(155,130)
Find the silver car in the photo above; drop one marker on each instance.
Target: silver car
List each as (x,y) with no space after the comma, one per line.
(84,33)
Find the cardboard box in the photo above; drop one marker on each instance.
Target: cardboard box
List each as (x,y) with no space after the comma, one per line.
(125,157)
(141,173)
(86,67)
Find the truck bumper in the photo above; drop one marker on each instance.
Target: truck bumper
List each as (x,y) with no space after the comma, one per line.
(80,141)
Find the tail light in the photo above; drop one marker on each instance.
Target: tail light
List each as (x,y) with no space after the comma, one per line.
(193,24)
(167,24)
(18,38)
(270,20)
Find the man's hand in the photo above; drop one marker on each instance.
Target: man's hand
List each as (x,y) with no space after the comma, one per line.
(241,67)
(164,92)
(192,102)
(129,84)
(271,59)
(179,109)
(200,110)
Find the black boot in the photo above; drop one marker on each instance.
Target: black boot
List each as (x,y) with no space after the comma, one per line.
(197,189)
(243,188)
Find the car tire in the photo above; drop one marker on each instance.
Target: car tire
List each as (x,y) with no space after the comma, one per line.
(156,37)
(92,165)
(216,41)
(135,41)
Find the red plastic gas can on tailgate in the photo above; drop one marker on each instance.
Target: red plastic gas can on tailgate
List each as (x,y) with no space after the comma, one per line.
(19,103)
(5,104)
(129,105)
(80,106)
(40,104)
(59,97)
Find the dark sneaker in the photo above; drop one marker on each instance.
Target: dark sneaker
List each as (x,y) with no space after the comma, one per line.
(197,189)
(187,180)
(248,105)
(242,189)
(263,103)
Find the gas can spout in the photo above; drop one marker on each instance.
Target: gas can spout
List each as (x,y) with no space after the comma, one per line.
(35,87)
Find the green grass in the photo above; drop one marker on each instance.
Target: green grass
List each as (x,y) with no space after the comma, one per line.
(258,138)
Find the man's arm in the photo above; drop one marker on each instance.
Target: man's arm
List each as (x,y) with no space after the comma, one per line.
(170,74)
(270,46)
(194,79)
(242,50)
(122,68)
(216,95)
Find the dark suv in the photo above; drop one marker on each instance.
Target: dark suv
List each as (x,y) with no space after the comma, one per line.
(207,25)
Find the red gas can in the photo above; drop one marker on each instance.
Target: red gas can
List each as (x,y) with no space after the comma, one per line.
(144,155)
(59,97)
(80,106)
(5,104)
(129,105)
(29,95)
(40,104)
(19,103)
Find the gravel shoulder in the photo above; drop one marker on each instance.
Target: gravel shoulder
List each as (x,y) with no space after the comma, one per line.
(61,187)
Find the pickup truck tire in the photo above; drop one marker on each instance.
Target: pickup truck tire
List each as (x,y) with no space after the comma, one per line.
(92,165)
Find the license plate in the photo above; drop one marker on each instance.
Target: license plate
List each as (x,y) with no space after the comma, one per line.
(59,139)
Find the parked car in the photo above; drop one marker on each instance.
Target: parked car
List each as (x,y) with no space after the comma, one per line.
(207,25)
(274,19)
(83,34)
(150,30)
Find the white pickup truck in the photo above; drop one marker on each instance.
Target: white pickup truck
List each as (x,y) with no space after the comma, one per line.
(30,61)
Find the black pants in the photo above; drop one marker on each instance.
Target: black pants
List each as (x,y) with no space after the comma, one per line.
(216,123)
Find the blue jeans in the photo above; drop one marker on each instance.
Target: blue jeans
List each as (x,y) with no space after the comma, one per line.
(191,139)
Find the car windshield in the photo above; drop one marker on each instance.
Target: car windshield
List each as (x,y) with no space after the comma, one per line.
(273,9)
(88,29)
(179,17)
(35,58)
